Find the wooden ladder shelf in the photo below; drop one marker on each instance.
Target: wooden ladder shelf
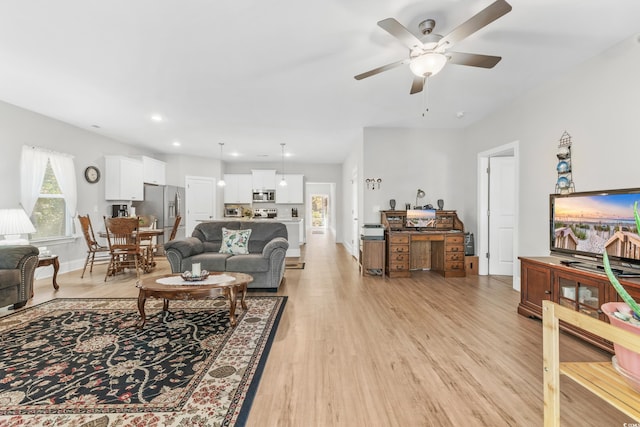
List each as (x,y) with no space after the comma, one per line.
(598,377)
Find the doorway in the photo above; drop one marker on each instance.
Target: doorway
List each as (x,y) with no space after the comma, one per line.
(319,213)
(498,181)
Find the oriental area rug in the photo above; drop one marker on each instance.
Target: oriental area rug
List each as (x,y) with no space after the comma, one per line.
(83,362)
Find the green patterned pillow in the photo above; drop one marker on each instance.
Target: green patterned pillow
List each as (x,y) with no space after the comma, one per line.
(235,241)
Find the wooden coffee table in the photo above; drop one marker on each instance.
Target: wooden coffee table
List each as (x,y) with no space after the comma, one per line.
(149,287)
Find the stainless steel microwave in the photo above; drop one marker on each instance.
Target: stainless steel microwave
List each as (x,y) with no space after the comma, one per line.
(260,196)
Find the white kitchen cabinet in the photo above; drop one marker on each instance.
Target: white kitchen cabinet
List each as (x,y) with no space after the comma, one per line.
(263,179)
(238,188)
(293,192)
(123,178)
(153,171)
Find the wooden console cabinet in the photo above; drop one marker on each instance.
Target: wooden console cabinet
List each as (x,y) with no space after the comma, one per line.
(440,249)
(545,278)
(371,259)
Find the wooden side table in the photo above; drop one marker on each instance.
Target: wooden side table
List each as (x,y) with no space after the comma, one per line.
(46,260)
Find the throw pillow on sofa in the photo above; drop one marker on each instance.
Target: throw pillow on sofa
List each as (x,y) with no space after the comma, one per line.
(235,242)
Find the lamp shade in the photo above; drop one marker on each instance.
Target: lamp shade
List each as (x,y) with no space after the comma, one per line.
(427,64)
(15,222)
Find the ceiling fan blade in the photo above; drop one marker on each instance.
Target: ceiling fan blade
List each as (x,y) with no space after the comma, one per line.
(381,69)
(398,31)
(476,22)
(417,85)
(473,59)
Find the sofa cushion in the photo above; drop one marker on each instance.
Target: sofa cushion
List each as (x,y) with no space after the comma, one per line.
(235,241)
(210,261)
(248,263)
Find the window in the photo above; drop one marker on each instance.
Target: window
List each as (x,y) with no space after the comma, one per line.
(49,214)
(48,192)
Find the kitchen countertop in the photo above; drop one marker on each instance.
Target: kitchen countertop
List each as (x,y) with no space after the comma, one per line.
(270,219)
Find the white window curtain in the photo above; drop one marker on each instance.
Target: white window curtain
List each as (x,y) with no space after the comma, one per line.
(32,170)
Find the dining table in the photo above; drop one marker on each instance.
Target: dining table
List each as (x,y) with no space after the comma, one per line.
(146,235)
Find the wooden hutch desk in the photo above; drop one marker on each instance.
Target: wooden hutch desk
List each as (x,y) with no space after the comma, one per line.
(440,249)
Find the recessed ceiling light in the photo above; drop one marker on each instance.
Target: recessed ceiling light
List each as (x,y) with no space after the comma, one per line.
(156,118)
(460,114)
(176,143)
(234,154)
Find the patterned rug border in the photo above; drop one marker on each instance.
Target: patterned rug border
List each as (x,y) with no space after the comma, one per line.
(237,415)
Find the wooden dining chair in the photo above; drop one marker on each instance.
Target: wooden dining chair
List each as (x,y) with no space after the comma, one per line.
(93,247)
(124,245)
(174,230)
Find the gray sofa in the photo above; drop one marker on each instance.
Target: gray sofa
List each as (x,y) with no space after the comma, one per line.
(265,261)
(17,267)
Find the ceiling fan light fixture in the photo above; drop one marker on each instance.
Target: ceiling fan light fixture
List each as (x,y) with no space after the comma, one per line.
(428,64)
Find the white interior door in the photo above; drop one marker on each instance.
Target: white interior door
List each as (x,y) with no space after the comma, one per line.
(501,214)
(200,195)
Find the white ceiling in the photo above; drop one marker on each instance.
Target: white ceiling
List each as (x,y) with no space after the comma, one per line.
(255,74)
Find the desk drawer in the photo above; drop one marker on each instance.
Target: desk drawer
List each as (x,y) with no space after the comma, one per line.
(398,257)
(454,265)
(398,265)
(398,249)
(455,240)
(399,238)
(454,256)
(454,249)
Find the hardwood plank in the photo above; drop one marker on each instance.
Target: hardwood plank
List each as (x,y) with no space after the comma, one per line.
(371,351)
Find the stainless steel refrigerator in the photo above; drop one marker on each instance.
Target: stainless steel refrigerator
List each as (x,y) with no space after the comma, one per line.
(164,202)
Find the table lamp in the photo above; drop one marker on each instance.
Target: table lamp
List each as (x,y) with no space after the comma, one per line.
(14,223)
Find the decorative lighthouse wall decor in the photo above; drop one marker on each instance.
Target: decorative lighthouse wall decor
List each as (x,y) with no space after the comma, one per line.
(564,184)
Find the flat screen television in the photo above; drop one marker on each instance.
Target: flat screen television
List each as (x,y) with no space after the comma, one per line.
(421,218)
(585,224)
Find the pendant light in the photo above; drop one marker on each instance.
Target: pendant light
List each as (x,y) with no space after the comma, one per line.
(283,182)
(221,183)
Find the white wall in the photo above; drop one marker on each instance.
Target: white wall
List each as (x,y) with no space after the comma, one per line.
(352,165)
(597,103)
(410,159)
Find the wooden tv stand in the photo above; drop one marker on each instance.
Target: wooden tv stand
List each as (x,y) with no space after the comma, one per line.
(582,290)
(440,249)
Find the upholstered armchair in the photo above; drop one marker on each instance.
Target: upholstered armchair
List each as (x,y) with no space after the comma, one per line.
(17,267)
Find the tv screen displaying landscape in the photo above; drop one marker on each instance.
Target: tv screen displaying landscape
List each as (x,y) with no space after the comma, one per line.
(421,218)
(590,223)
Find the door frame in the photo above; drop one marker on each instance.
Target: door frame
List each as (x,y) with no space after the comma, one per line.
(510,149)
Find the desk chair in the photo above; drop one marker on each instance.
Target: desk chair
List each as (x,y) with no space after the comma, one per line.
(124,245)
(93,247)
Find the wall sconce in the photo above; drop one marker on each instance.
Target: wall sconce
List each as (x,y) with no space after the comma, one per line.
(373,183)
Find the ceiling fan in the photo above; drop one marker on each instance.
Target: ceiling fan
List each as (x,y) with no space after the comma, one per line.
(428,55)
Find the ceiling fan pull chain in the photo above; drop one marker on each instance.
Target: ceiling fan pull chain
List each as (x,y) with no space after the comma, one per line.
(424,97)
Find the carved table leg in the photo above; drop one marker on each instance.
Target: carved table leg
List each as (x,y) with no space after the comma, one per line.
(56,267)
(243,290)
(142,298)
(232,305)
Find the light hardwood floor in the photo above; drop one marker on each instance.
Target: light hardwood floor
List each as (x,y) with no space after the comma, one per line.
(425,351)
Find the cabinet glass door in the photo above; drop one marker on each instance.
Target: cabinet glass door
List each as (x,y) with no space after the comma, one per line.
(589,300)
(568,292)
